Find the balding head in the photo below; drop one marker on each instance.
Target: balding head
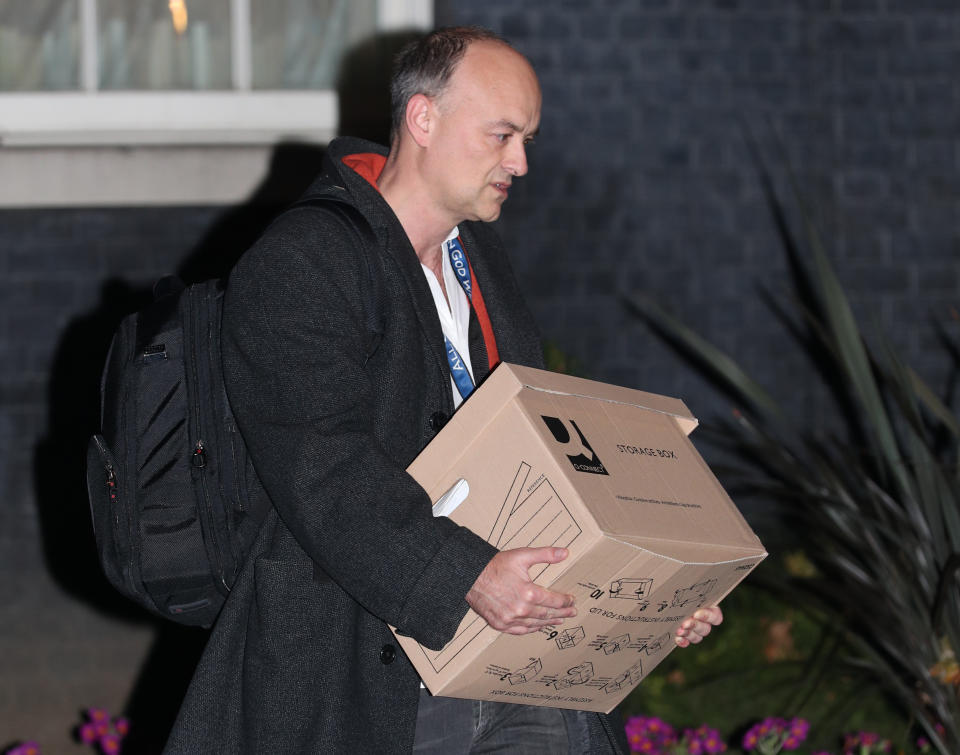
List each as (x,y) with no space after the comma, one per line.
(426,66)
(466,107)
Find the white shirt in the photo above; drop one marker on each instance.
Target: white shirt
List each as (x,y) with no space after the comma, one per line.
(455,316)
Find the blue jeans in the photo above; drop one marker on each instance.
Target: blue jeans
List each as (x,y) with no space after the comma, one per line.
(448,726)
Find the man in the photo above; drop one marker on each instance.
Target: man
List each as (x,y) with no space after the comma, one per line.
(301,659)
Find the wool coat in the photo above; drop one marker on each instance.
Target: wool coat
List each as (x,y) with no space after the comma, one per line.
(301,659)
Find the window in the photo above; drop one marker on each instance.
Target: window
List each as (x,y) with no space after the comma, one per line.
(115,72)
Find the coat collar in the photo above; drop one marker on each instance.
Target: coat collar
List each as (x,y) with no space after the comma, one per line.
(394,244)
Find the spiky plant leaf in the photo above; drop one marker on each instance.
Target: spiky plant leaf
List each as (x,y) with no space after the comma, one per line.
(875,505)
(728,371)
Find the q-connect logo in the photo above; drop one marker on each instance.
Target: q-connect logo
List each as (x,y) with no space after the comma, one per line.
(581,455)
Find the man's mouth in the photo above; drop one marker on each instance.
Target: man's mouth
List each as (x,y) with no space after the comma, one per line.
(503,188)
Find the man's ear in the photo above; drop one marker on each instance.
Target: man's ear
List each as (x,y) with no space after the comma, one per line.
(420,118)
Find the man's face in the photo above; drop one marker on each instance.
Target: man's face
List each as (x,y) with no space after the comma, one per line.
(485,119)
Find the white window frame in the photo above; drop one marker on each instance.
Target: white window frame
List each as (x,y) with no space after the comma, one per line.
(91,117)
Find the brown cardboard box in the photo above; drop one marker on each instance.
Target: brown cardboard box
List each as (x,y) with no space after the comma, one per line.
(539,458)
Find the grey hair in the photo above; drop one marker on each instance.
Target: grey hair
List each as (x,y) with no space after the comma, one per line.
(426,65)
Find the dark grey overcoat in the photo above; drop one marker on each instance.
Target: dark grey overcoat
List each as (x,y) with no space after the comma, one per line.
(301,659)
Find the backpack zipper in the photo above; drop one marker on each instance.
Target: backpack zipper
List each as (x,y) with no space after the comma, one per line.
(113,494)
(239,481)
(199,462)
(111,478)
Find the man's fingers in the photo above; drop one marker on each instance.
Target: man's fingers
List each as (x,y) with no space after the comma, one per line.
(546,555)
(540,608)
(712,615)
(541,603)
(528,625)
(696,627)
(523,625)
(693,626)
(565,611)
(506,598)
(552,600)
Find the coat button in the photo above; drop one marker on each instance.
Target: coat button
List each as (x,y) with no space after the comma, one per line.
(387,654)
(437,421)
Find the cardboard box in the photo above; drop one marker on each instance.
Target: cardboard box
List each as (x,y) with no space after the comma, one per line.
(536,458)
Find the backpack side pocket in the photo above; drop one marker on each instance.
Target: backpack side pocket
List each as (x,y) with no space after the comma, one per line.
(105,492)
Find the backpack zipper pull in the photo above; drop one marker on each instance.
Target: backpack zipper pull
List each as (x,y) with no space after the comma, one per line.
(199,459)
(111,482)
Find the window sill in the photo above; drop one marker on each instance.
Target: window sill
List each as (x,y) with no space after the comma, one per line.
(124,119)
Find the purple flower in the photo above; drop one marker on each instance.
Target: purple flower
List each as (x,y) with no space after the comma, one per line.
(659,728)
(799,728)
(25,748)
(796,731)
(88,733)
(649,734)
(775,734)
(99,731)
(638,735)
(712,741)
(654,736)
(864,741)
(98,715)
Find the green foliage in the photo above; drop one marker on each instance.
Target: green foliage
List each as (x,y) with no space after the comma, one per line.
(760,663)
(874,504)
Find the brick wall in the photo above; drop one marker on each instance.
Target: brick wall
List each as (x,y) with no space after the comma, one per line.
(640,182)
(69,643)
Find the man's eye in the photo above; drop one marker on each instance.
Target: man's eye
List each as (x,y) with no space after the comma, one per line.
(502,137)
(528,141)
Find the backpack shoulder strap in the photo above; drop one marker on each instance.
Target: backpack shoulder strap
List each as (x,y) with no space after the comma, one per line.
(374,293)
(162,315)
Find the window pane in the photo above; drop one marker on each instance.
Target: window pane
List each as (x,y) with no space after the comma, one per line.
(141,49)
(39,47)
(298,44)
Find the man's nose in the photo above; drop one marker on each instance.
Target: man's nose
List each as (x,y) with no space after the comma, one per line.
(516,161)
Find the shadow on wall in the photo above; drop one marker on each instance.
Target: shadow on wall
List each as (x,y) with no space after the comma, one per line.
(73,394)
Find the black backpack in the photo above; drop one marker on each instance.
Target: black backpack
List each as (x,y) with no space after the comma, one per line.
(175,501)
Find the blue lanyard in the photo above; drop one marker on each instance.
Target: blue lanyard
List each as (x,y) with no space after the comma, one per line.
(458,260)
(458,370)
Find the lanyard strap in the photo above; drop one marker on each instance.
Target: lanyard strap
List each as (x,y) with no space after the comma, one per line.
(465,277)
(460,265)
(458,370)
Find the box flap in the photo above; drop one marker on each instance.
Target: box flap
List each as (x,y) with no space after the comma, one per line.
(554,382)
(696,553)
(635,469)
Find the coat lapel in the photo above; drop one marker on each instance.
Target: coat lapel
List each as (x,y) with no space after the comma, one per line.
(396,246)
(412,277)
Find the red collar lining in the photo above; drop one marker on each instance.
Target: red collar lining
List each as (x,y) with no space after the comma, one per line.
(369,165)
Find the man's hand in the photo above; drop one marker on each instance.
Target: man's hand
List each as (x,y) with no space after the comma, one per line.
(506,598)
(693,630)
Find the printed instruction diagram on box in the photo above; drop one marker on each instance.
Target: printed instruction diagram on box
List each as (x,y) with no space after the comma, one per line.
(532,515)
